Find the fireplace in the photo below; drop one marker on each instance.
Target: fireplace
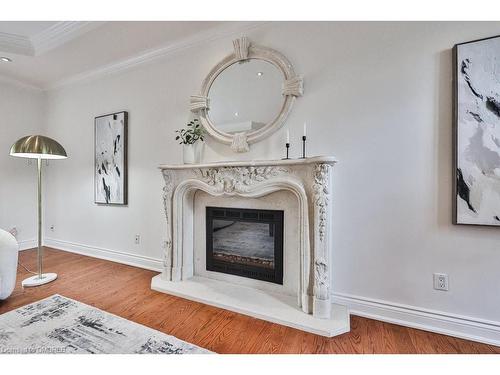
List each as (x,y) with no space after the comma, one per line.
(303,300)
(245,242)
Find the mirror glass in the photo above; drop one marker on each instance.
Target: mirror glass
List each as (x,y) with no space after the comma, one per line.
(246,96)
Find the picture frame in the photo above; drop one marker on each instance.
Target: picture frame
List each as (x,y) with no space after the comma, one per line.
(476,145)
(111,159)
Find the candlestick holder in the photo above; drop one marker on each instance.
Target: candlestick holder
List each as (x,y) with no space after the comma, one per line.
(287,145)
(304,138)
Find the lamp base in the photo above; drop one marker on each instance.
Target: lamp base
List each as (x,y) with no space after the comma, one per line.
(37,281)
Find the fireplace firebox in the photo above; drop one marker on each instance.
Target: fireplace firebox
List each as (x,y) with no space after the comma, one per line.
(245,242)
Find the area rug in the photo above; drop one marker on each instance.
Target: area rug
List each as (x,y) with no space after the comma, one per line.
(61,325)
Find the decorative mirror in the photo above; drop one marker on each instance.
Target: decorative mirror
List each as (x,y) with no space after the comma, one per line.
(247,96)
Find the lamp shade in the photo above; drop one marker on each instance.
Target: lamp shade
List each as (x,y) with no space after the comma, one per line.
(38,146)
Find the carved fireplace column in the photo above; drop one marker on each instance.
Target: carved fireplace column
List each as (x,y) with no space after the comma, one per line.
(321,252)
(168,190)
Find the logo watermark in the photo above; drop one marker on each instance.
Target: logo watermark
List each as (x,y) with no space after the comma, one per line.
(34,350)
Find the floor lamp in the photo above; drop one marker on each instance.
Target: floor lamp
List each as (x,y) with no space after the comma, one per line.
(38,147)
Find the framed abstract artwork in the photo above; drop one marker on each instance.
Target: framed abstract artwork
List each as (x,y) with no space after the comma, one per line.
(477,132)
(110,175)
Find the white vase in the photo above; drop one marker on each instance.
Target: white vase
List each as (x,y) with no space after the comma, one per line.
(191,154)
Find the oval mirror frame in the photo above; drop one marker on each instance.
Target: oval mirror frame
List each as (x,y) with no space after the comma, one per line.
(291,89)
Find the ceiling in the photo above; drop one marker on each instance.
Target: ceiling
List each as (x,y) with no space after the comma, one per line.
(45,54)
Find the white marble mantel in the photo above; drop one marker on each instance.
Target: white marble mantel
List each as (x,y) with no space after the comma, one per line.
(310,181)
(253,163)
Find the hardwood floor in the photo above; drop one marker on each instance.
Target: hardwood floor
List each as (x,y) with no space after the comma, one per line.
(125,291)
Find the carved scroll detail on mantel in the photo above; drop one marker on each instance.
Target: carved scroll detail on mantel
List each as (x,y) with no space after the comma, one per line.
(238,179)
(321,193)
(321,279)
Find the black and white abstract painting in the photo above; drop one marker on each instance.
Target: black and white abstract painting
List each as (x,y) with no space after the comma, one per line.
(477,132)
(111,158)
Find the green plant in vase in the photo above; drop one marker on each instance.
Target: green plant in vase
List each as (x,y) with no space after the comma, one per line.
(190,134)
(191,138)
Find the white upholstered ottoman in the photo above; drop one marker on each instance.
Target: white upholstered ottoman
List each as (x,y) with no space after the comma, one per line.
(8,263)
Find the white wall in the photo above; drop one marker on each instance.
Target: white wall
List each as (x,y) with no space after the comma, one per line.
(21,113)
(377,96)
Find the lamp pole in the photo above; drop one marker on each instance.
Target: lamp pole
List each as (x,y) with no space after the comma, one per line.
(40,258)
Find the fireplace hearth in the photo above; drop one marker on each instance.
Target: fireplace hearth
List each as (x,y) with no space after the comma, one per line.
(245,242)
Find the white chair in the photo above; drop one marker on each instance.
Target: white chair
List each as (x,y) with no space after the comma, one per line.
(9,249)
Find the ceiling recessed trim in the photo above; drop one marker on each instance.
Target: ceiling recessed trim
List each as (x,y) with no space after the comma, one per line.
(18,44)
(54,36)
(61,33)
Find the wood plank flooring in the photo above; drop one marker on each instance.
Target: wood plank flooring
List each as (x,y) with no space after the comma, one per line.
(125,291)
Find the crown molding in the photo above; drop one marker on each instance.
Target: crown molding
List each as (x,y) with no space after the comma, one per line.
(61,33)
(17,44)
(48,39)
(227,30)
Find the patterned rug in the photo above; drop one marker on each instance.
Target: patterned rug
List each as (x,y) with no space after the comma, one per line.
(61,325)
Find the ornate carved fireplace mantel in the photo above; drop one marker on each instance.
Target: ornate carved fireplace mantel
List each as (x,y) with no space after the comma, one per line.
(310,182)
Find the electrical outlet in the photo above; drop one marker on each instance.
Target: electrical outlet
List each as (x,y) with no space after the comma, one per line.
(137,239)
(52,227)
(441,281)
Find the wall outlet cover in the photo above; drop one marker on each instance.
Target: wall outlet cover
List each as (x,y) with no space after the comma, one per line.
(441,281)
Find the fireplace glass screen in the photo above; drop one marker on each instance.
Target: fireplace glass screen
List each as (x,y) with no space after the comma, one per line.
(245,242)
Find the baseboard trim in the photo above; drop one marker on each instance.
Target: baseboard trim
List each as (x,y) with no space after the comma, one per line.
(464,327)
(135,260)
(27,244)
